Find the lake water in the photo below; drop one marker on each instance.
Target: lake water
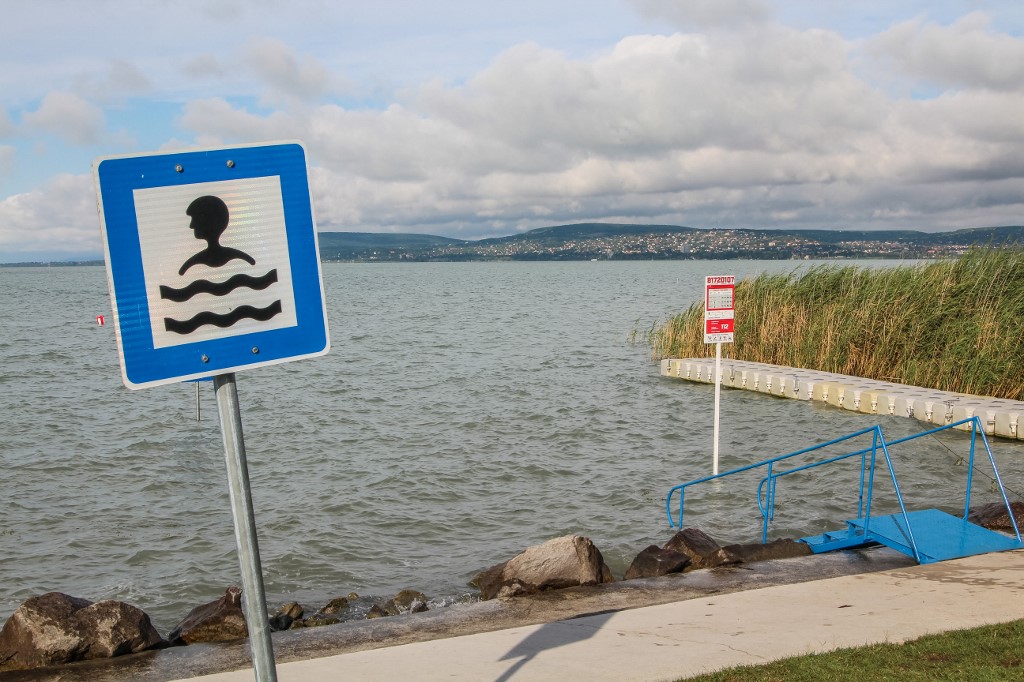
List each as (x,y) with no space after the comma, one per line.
(465,412)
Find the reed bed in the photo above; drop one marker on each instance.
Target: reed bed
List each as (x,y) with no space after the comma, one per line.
(955,325)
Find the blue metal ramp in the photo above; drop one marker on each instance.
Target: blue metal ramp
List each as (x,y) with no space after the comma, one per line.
(928,535)
(931,536)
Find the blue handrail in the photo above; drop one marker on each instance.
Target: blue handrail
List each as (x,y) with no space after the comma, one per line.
(769,463)
(977,429)
(766,488)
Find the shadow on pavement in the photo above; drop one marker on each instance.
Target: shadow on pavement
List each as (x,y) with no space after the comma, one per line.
(552,636)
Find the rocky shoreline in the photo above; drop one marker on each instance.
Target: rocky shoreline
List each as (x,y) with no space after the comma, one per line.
(56,636)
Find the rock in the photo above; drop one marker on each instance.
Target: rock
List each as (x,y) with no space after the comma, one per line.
(654,561)
(56,628)
(561,562)
(42,631)
(706,553)
(286,616)
(409,601)
(218,621)
(316,621)
(114,628)
(485,579)
(703,551)
(776,549)
(335,605)
(406,601)
(995,517)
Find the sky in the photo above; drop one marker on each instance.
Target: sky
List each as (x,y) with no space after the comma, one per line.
(485,118)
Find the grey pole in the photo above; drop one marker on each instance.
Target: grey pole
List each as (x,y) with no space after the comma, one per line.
(254,600)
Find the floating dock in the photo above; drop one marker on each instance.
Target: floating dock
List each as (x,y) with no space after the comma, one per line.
(998,416)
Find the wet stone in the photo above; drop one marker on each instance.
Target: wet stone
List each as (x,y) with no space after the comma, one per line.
(218,621)
(656,561)
(334,606)
(286,616)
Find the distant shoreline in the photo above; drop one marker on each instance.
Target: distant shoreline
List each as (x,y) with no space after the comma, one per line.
(628,242)
(100,263)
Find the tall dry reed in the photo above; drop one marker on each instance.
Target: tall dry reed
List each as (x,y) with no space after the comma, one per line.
(953,325)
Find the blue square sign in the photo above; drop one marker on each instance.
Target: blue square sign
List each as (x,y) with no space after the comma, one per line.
(212,260)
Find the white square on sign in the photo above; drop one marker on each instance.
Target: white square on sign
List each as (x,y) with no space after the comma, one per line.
(215,257)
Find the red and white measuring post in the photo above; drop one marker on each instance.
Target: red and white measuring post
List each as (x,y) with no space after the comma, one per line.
(719,327)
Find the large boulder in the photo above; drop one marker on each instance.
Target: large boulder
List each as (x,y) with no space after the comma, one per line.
(656,561)
(703,551)
(561,562)
(56,628)
(995,517)
(219,621)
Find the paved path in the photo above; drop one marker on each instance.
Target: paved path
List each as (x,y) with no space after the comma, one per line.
(680,639)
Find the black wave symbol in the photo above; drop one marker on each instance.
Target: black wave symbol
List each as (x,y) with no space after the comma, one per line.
(206,317)
(205,286)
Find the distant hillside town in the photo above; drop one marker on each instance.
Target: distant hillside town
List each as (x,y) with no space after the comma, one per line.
(602,241)
(615,241)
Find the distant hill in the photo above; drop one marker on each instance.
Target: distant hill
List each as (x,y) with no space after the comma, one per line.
(586,231)
(972,236)
(590,241)
(362,245)
(995,236)
(623,241)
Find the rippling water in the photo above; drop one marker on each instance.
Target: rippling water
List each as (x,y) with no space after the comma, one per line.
(465,412)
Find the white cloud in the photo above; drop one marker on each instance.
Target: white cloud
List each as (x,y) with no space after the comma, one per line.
(119,77)
(707,13)
(215,121)
(58,218)
(287,74)
(7,156)
(967,53)
(204,66)
(6,126)
(68,116)
(735,120)
(759,129)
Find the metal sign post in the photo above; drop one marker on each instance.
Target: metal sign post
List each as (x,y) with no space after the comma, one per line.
(214,267)
(254,600)
(718,406)
(719,326)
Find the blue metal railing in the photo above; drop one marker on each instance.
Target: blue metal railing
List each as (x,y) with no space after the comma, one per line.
(766,489)
(976,430)
(767,507)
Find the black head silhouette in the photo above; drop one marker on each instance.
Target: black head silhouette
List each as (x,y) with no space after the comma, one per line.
(209,220)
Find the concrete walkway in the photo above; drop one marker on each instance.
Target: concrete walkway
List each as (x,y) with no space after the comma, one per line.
(685,638)
(999,417)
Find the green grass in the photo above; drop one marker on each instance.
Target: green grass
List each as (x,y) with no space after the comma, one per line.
(994,652)
(953,325)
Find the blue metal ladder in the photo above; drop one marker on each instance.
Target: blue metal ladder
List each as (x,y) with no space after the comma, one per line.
(928,535)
